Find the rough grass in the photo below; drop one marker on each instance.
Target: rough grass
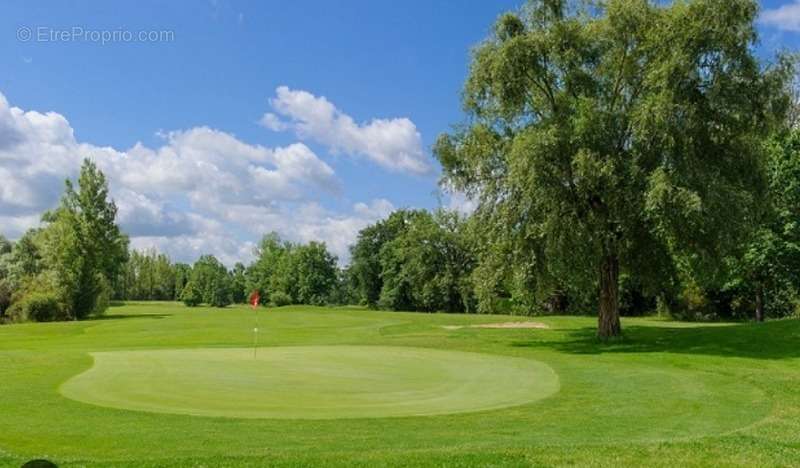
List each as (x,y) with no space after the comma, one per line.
(668,394)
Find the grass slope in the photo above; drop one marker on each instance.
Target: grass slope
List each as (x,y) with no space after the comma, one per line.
(669,394)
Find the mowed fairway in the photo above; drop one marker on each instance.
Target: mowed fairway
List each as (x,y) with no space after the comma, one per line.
(161,385)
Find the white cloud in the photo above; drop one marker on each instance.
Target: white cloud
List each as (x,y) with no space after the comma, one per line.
(339,231)
(14,226)
(460,202)
(304,222)
(201,191)
(392,143)
(273,122)
(187,248)
(210,161)
(377,209)
(785,17)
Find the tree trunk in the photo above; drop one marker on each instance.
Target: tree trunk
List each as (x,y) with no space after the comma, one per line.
(608,325)
(760,303)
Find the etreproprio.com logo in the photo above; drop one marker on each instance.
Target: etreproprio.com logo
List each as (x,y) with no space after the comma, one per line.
(98,36)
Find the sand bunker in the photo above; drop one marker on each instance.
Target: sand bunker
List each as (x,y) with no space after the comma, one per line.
(499,325)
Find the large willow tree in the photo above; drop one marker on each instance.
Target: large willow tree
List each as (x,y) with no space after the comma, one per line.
(616,135)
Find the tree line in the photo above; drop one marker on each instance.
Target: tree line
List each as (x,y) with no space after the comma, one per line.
(624,157)
(414,260)
(78,261)
(283,273)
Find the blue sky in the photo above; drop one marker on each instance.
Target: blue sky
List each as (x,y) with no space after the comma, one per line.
(354,94)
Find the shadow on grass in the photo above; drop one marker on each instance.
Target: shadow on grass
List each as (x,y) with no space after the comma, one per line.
(128,316)
(778,339)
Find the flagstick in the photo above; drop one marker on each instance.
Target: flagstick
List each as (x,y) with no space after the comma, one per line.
(254,300)
(255,336)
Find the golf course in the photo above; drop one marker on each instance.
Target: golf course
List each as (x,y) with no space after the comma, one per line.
(504,233)
(160,384)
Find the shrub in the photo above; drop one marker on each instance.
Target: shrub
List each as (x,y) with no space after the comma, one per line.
(633,298)
(103,299)
(280,298)
(5,295)
(37,307)
(190,295)
(220,294)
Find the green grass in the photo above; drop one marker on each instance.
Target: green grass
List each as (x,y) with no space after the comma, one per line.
(669,394)
(310,382)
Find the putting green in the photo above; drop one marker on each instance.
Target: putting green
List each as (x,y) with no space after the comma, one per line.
(310,382)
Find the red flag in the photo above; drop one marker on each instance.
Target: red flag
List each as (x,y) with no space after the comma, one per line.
(255,297)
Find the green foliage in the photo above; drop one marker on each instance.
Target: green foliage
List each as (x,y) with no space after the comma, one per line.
(427,266)
(316,273)
(65,269)
(616,151)
(414,260)
(294,273)
(765,273)
(191,295)
(6,265)
(633,298)
(280,298)
(366,268)
(25,258)
(761,277)
(269,272)
(345,291)
(220,295)
(103,300)
(147,275)
(182,274)
(238,282)
(5,245)
(492,275)
(6,292)
(609,139)
(37,307)
(209,282)
(82,244)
